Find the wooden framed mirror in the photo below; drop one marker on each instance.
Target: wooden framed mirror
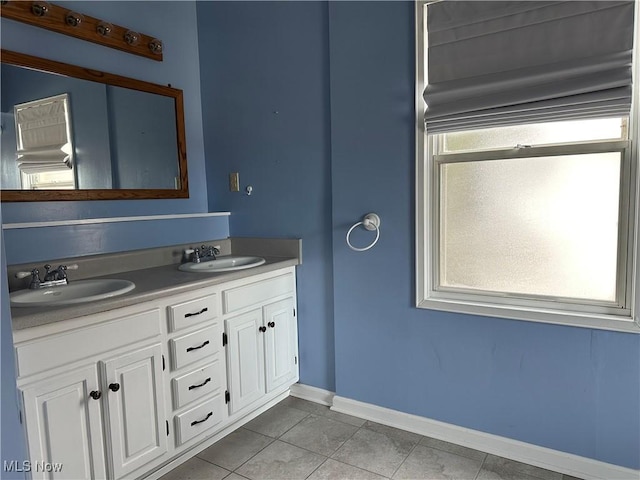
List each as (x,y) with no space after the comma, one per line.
(125,138)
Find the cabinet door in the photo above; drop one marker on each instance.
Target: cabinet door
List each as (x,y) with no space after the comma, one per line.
(136,414)
(64,425)
(245,359)
(280,343)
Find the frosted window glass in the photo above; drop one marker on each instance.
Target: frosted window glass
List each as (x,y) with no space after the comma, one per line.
(536,226)
(536,134)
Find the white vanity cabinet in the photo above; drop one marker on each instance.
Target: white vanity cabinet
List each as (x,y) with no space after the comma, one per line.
(198,371)
(93,396)
(262,353)
(135,408)
(130,393)
(64,425)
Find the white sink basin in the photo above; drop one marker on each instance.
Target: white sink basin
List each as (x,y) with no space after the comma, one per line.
(79,291)
(222,264)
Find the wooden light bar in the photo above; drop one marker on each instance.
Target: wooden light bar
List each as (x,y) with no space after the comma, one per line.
(69,22)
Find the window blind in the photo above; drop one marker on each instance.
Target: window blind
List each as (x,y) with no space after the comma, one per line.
(497,63)
(42,131)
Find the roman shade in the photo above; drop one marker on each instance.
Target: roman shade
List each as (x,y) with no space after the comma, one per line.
(42,128)
(496,63)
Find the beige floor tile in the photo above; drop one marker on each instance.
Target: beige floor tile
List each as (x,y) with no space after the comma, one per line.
(305,405)
(319,434)
(235,449)
(431,464)
(196,469)
(505,467)
(374,451)
(401,435)
(235,476)
(276,421)
(281,461)
(333,470)
(453,448)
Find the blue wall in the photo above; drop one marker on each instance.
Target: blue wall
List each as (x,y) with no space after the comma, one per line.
(571,389)
(264,70)
(12,445)
(144,143)
(173,22)
(313,104)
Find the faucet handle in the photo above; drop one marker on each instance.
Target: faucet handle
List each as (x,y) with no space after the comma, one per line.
(61,271)
(26,274)
(35,277)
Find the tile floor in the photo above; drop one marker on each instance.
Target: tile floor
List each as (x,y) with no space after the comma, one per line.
(297,439)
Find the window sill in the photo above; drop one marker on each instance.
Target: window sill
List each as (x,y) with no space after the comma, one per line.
(587,320)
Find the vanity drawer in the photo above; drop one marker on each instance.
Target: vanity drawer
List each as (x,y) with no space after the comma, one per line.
(199,419)
(194,385)
(258,292)
(191,312)
(196,346)
(86,343)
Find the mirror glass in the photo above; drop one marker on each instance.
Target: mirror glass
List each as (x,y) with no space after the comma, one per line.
(70,133)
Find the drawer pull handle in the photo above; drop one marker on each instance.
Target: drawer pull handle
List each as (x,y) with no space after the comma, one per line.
(187,315)
(262,329)
(195,422)
(271,324)
(114,387)
(206,342)
(191,387)
(95,394)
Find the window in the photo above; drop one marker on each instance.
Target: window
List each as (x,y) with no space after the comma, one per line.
(526,207)
(44,144)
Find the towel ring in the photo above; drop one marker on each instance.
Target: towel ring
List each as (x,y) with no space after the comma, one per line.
(370,221)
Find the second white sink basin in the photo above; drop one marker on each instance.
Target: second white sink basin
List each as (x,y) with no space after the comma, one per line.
(80,291)
(222,264)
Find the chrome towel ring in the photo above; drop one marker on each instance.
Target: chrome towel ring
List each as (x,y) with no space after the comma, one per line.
(370,221)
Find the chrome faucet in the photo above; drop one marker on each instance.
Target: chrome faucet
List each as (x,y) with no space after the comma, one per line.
(204,253)
(51,278)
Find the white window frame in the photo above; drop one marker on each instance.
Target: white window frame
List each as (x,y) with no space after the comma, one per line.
(428,297)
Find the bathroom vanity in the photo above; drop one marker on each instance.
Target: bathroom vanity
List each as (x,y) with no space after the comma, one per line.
(129,387)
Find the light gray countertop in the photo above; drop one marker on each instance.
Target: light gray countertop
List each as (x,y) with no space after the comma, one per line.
(158,282)
(151,284)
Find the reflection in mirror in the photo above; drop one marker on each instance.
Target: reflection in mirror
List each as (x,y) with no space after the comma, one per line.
(44,149)
(70,133)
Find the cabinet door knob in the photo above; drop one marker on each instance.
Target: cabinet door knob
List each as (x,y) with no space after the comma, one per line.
(262,329)
(114,387)
(271,324)
(95,394)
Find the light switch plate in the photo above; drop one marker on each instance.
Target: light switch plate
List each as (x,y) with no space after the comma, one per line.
(234,182)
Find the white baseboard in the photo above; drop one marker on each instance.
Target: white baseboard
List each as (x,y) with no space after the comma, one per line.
(313,394)
(542,457)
